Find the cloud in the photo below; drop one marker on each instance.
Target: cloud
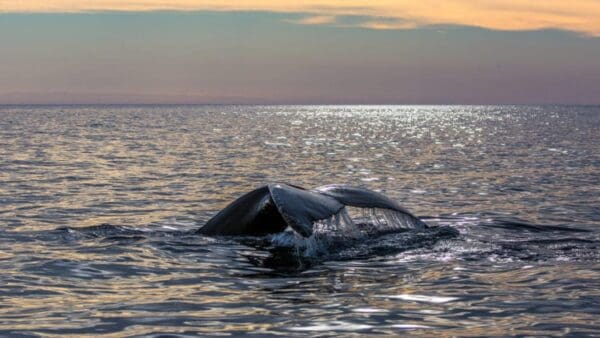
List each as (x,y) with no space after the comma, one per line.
(315,20)
(576,15)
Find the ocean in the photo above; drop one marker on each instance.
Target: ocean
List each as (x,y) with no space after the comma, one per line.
(99,207)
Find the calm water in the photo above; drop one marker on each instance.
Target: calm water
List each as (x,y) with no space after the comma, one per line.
(98,207)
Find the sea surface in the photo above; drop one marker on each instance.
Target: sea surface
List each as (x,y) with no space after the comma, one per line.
(99,207)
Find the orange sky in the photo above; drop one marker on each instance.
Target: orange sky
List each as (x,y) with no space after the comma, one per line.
(581,16)
(315,51)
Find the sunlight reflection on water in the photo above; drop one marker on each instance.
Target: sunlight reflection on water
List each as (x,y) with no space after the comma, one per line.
(98,207)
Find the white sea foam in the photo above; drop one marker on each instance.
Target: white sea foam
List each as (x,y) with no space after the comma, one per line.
(422,298)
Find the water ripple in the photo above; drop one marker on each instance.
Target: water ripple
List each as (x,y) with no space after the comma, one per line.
(99,206)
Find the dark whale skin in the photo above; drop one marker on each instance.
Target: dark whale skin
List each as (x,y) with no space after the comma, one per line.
(272,208)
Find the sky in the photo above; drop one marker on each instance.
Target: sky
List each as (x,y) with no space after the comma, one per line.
(300,52)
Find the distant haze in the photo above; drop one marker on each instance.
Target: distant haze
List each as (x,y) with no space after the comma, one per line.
(263,52)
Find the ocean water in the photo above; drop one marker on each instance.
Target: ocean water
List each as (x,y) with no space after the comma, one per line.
(99,207)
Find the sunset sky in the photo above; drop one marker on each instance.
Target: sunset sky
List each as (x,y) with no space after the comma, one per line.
(316,51)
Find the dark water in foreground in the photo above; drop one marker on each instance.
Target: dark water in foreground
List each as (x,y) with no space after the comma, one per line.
(98,206)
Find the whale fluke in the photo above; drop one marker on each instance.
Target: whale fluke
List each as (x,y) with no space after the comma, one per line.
(301,208)
(272,208)
(254,213)
(364,198)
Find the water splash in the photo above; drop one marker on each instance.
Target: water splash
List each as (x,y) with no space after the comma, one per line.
(344,228)
(377,221)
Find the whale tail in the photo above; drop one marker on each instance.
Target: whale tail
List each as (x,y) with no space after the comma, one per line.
(272,208)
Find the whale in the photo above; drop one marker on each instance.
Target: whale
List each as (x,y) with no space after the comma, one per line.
(272,208)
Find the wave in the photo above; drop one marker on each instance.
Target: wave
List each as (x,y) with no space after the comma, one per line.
(362,235)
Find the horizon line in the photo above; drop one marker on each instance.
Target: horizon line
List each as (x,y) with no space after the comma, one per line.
(293,104)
